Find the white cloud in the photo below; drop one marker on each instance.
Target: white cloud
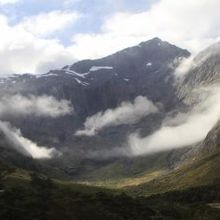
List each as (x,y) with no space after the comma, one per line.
(17,105)
(185,65)
(47,23)
(189,129)
(70,2)
(24,145)
(190,24)
(126,113)
(24,48)
(22,52)
(6,2)
(45,106)
(196,60)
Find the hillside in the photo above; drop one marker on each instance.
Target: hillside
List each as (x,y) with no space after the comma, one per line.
(31,196)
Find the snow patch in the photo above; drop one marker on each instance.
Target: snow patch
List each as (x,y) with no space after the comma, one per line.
(149,64)
(46,75)
(82,83)
(78,81)
(96,68)
(73,73)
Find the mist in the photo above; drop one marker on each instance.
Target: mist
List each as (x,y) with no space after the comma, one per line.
(42,106)
(23,145)
(188,129)
(185,65)
(195,60)
(38,106)
(125,113)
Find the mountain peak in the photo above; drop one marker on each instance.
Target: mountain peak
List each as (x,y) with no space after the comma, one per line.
(154,42)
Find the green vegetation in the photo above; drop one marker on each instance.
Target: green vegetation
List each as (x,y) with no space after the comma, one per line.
(202,172)
(139,189)
(30,196)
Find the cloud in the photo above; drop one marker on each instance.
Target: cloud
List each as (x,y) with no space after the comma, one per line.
(126,113)
(24,145)
(194,61)
(189,128)
(6,2)
(44,106)
(27,48)
(185,65)
(165,19)
(45,24)
(23,52)
(70,2)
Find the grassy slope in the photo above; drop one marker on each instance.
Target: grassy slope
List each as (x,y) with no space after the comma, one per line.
(198,173)
(25,199)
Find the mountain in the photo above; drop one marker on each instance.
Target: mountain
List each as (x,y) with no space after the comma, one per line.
(94,86)
(92,176)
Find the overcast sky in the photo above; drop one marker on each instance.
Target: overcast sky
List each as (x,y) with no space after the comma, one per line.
(38,35)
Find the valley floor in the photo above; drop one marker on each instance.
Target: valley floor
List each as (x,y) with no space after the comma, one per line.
(33,196)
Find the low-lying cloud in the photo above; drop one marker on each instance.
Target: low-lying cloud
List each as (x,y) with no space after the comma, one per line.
(185,66)
(37,106)
(193,128)
(24,145)
(41,106)
(126,113)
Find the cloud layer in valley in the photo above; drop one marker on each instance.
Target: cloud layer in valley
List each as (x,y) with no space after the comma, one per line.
(188,129)
(125,113)
(43,106)
(38,106)
(24,145)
